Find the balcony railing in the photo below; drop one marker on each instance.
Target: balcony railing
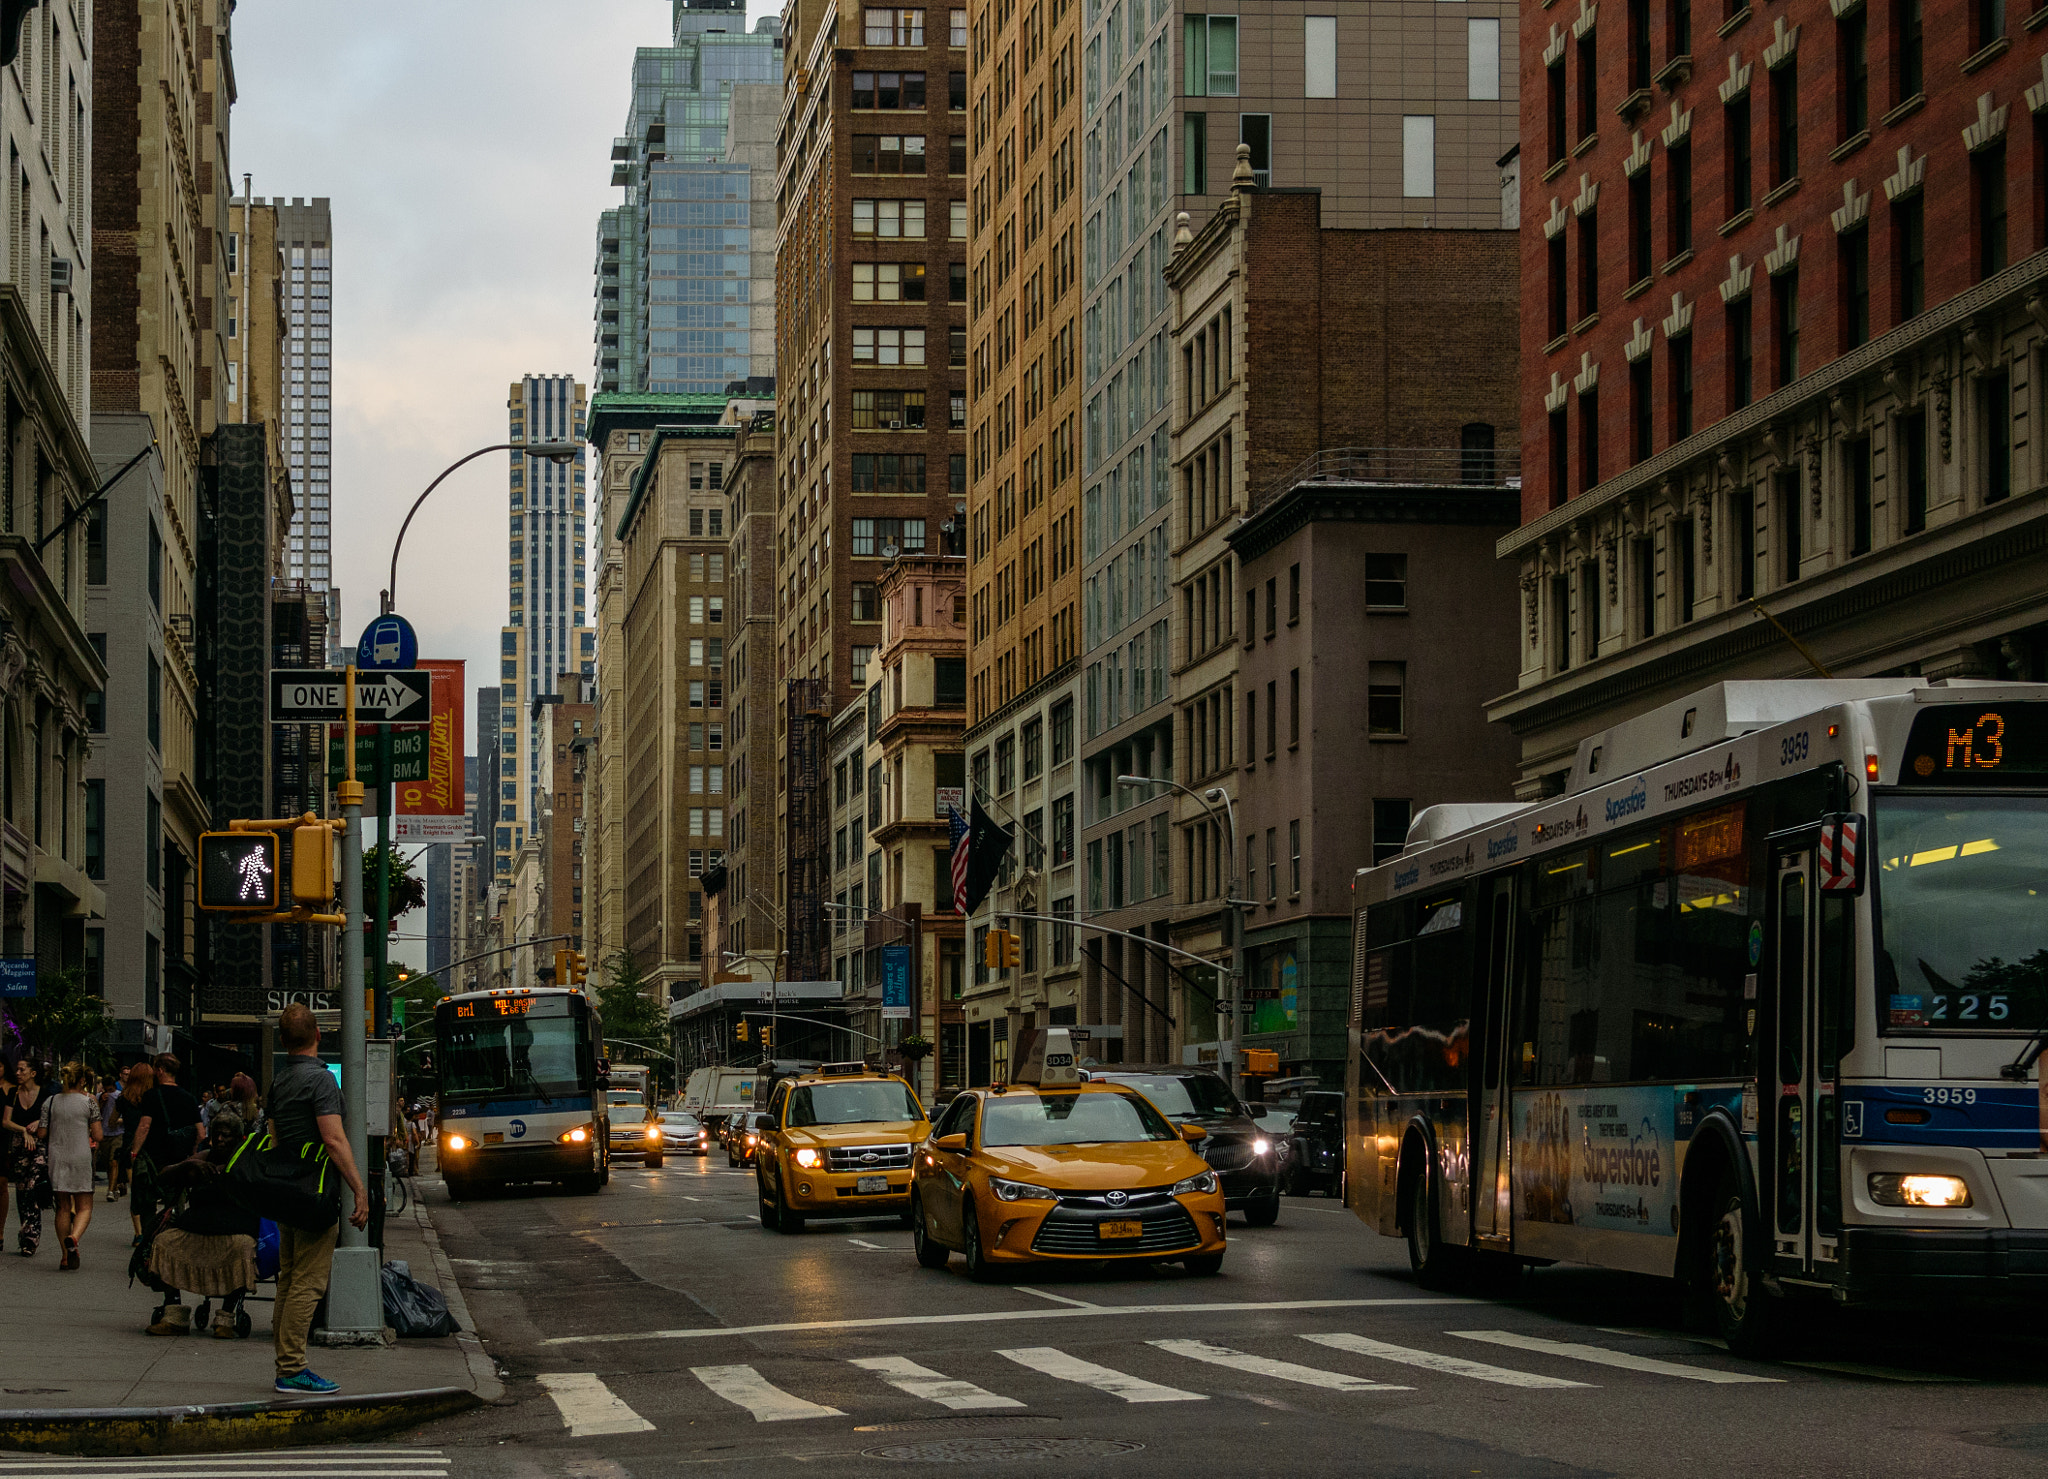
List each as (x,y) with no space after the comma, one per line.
(1429,467)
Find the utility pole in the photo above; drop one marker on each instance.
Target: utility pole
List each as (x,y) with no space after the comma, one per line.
(355,1299)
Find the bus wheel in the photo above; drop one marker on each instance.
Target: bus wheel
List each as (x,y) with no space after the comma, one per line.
(458,1188)
(1429,1259)
(1745,1313)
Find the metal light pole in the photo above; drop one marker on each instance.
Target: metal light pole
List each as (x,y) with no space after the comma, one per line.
(554,451)
(355,1298)
(1228,1038)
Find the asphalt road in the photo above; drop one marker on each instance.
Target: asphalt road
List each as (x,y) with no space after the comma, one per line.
(656,1329)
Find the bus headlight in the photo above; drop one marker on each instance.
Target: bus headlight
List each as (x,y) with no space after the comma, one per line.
(808,1159)
(1892,1189)
(576,1136)
(457,1142)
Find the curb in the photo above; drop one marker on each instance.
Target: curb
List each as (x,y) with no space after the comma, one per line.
(126,1432)
(483,1371)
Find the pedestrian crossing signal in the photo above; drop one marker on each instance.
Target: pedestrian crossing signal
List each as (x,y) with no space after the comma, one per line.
(238,872)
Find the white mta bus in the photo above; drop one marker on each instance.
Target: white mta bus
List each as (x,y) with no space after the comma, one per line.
(1753,1005)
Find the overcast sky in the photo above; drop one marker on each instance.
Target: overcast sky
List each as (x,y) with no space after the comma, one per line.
(466,147)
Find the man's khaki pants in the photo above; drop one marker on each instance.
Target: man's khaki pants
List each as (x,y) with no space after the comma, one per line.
(304,1261)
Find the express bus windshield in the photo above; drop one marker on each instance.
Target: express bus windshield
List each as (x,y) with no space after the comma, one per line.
(1962,890)
(523,1047)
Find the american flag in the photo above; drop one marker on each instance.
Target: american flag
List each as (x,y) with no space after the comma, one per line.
(957,826)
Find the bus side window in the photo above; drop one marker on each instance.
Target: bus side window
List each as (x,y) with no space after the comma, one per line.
(1836,982)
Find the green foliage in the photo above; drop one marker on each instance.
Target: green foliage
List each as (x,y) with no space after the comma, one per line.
(631,1014)
(62,1020)
(408,889)
(914,1049)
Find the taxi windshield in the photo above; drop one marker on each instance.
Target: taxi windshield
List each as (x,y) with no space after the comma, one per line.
(1198,1093)
(856,1102)
(1070,1119)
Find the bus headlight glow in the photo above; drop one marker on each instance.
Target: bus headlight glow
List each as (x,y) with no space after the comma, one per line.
(457,1142)
(1892,1189)
(577,1136)
(808,1159)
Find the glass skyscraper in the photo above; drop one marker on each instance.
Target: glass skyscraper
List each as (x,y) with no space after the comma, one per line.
(673,279)
(305,236)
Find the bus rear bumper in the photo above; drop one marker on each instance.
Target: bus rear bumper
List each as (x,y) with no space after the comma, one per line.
(1881,1263)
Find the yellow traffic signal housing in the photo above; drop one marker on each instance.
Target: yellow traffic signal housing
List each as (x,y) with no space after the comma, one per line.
(578,972)
(999,950)
(562,967)
(1010,949)
(764,1036)
(743,1030)
(313,865)
(1261,1060)
(238,872)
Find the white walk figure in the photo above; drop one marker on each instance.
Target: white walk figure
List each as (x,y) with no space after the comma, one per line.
(255,867)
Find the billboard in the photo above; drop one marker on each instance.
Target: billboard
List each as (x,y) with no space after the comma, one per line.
(432,809)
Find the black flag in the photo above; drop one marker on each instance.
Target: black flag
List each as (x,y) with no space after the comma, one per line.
(987,845)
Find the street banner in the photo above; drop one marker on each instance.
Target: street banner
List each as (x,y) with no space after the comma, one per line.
(896,982)
(434,809)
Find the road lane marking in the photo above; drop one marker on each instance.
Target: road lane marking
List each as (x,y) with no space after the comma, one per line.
(873,1247)
(1601,1356)
(1313,1376)
(588,1406)
(743,1386)
(991,1316)
(1079,1304)
(1058,1364)
(1880,1373)
(934,1386)
(1430,1361)
(317,1463)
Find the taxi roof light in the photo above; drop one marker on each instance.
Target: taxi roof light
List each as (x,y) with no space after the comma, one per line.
(1046,1058)
(841,1070)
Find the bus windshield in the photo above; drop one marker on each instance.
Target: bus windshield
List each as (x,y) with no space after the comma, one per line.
(856,1102)
(1962,885)
(542,1052)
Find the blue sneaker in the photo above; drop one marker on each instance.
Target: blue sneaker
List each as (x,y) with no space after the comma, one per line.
(306,1384)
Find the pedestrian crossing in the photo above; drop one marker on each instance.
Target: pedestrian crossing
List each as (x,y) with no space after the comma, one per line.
(288,1463)
(1154,1371)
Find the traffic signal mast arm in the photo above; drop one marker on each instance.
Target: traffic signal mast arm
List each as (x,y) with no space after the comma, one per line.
(1102,929)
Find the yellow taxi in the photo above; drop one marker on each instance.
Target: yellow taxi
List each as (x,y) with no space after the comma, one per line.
(1052,1170)
(837,1143)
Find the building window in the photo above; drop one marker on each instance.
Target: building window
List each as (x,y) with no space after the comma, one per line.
(1062,731)
(1390,816)
(958,36)
(1482,61)
(1006,765)
(1646,586)
(1319,51)
(1210,49)
(889,347)
(1680,28)
(1743,507)
(1908,79)
(889,219)
(892,27)
(1680,361)
(1062,830)
(1418,156)
(1678,197)
(1589,86)
(1589,264)
(1559,288)
(1063,934)
(1989,16)
(1560,460)
(1987,185)
(1033,737)
(888,282)
(1195,164)
(1640,411)
(1639,264)
(1741,356)
(1785,310)
(1475,453)
(1555,100)
(96,544)
(1853,251)
(1911,463)
(1386,699)
(1785,123)
(867,605)
(1997,402)
(1293,707)
(1909,256)
(1560,623)
(1682,549)
(1589,439)
(155,698)
(1852,82)
(1589,605)
(1638,44)
(1741,170)
(1791,522)
(1859,496)
(888,154)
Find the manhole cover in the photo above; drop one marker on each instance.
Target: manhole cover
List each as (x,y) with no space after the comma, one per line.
(953,1424)
(984,1450)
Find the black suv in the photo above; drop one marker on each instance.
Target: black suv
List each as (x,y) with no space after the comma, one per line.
(1318,1159)
(1242,1154)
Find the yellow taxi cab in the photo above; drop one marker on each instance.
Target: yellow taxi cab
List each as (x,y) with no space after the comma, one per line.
(1049,1169)
(837,1143)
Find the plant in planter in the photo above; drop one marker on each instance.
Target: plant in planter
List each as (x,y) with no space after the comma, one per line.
(914,1049)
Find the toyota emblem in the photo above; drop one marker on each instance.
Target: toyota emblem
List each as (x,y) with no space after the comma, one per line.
(1117,1198)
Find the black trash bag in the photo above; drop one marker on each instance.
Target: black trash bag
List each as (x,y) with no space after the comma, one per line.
(414,1309)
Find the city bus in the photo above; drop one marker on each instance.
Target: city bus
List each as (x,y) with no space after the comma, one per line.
(1752,1005)
(518,1092)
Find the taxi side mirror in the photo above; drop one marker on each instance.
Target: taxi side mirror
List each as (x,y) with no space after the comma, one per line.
(1192,1133)
(954,1143)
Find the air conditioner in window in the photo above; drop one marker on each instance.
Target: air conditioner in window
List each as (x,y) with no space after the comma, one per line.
(895,426)
(60,274)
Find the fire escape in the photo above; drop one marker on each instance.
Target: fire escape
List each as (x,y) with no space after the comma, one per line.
(807,837)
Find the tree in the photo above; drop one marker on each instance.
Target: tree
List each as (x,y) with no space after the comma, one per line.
(408,889)
(630,1014)
(62,1020)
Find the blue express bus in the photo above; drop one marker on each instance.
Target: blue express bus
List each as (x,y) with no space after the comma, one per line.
(1753,1005)
(520,1096)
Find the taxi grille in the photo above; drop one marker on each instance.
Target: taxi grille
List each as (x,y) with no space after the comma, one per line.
(1166,1230)
(858,1158)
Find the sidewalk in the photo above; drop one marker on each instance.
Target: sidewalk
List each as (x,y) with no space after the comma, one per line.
(83,1349)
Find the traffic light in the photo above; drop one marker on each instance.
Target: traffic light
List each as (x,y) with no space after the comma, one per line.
(999,951)
(764,1036)
(578,972)
(743,1029)
(562,967)
(313,865)
(238,872)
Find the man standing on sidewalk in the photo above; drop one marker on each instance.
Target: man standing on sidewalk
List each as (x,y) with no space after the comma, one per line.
(305,1107)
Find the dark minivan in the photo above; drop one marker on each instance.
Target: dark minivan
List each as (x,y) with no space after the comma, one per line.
(1318,1160)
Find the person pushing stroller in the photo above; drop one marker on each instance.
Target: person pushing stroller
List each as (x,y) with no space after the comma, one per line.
(207,1245)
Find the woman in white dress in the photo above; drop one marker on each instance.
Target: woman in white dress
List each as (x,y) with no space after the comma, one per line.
(71,1127)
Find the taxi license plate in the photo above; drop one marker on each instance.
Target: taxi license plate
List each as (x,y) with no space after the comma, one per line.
(870,1185)
(494,1137)
(1123,1228)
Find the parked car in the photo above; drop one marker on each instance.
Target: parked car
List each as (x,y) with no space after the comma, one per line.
(1237,1146)
(1317,1162)
(684,1134)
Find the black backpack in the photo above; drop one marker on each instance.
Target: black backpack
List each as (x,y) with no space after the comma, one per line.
(293,1187)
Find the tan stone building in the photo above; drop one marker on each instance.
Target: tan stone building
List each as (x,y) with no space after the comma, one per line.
(751,906)
(568,721)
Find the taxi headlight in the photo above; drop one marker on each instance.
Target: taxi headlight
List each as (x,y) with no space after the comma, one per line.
(654,1132)
(458,1142)
(1020,1191)
(576,1136)
(1261,1146)
(1206,1182)
(1891,1189)
(808,1159)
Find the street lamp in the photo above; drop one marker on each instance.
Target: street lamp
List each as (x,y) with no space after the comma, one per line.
(1208,800)
(553,451)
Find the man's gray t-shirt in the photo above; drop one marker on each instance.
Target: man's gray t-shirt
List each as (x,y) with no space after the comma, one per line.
(302,1091)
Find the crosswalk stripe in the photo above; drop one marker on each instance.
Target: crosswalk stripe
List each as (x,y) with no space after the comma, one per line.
(1314,1376)
(934,1386)
(335,1465)
(1054,1362)
(1879,1373)
(743,1386)
(1600,1356)
(1431,1361)
(588,1406)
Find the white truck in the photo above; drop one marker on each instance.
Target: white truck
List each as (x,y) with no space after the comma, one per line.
(714,1094)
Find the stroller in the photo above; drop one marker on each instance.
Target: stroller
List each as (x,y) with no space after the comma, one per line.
(139,1267)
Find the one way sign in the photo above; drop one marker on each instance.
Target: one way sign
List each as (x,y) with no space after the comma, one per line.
(400,695)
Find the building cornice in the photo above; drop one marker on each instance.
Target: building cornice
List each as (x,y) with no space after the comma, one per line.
(1372,503)
(1060,677)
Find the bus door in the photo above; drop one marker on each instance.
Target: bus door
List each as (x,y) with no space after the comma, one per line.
(1491,1184)
(1795,1081)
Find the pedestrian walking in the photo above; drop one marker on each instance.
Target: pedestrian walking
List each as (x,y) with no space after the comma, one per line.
(71,1131)
(242,1093)
(141,1079)
(209,1248)
(112,1134)
(166,1131)
(28,1163)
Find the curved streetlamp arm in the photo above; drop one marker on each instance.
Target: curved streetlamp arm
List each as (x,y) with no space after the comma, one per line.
(555,451)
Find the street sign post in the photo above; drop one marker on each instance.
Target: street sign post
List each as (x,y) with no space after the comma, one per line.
(387,642)
(317,696)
